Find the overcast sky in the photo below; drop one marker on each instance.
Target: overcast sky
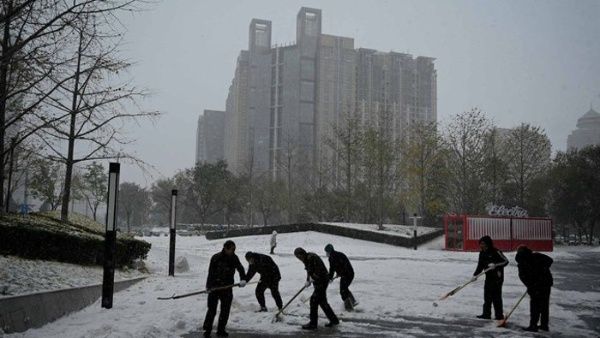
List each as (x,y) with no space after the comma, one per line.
(519,61)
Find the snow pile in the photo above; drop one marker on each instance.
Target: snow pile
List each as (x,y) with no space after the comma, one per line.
(20,276)
(181,264)
(395,287)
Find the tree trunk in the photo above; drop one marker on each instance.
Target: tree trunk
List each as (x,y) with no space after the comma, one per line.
(4,64)
(289,188)
(64,214)
(95,209)
(348,183)
(380,194)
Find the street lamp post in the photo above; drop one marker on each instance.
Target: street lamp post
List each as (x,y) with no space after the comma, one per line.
(172,229)
(415,218)
(108,281)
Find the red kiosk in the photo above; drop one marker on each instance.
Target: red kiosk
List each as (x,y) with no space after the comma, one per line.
(464,231)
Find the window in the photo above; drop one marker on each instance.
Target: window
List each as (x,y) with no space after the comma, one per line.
(307,91)
(306,134)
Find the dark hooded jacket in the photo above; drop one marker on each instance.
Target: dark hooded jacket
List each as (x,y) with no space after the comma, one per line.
(534,270)
(340,264)
(491,255)
(315,269)
(266,268)
(222,268)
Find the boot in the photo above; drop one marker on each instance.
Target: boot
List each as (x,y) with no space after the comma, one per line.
(348,304)
(544,328)
(262,309)
(484,317)
(531,329)
(309,326)
(222,333)
(332,323)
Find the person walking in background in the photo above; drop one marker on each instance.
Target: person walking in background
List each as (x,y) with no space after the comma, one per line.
(534,272)
(316,273)
(220,274)
(273,241)
(490,257)
(269,278)
(340,264)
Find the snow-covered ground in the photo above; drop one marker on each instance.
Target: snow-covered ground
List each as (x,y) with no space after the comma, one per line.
(392,229)
(19,276)
(395,287)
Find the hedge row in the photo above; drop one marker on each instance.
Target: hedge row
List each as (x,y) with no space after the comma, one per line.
(86,249)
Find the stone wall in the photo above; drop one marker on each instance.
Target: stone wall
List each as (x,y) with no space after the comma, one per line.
(20,313)
(365,235)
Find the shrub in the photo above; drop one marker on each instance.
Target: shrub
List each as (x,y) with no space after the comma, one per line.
(34,239)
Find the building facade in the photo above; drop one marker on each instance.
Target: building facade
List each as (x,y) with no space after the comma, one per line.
(209,137)
(587,132)
(285,102)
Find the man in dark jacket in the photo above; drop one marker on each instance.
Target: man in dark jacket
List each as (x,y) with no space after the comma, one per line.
(269,277)
(340,264)
(317,273)
(490,257)
(220,273)
(534,272)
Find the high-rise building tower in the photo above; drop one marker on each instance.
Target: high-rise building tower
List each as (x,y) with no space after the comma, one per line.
(209,136)
(285,101)
(587,132)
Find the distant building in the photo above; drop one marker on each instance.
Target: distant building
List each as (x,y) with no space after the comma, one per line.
(587,132)
(285,101)
(209,136)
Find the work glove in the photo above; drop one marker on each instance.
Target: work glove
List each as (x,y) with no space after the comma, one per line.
(307,284)
(242,283)
(492,266)
(474,278)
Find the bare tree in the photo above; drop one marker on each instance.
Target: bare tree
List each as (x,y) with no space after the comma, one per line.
(32,33)
(46,182)
(495,166)
(380,156)
(465,136)
(95,102)
(160,193)
(202,188)
(93,186)
(134,204)
(347,145)
(287,164)
(527,154)
(424,167)
(269,197)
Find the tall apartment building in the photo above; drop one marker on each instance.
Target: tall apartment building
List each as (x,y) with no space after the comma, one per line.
(285,101)
(209,136)
(587,132)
